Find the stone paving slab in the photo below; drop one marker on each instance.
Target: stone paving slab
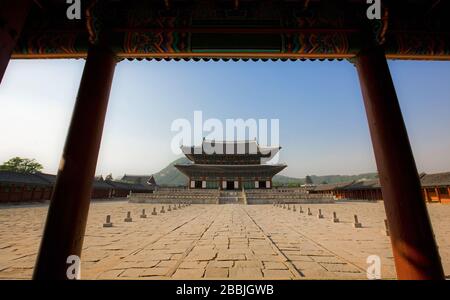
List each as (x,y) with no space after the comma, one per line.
(217,241)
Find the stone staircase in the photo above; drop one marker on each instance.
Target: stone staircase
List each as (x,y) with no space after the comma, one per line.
(231,197)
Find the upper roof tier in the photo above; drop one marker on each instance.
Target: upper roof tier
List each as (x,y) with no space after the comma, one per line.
(229,152)
(237,29)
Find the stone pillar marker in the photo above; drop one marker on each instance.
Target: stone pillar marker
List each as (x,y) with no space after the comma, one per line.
(128,218)
(301,210)
(309,212)
(108,222)
(154,213)
(288,207)
(169,209)
(294,209)
(319,215)
(335,218)
(356,223)
(162,210)
(179,205)
(174,207)
(143,215)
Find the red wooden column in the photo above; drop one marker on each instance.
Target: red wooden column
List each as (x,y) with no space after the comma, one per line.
(436,190)
(425,192)
(13,14)
(68,211)
(413,244)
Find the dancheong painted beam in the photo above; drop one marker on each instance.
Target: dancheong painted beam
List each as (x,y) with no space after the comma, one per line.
(219,29)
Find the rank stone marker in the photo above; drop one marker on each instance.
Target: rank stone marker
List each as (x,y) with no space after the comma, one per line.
(357,224)
(319,215)
(335,218)
(128,218)
(169,209)
(154,213)
(162,210)
(289,208)
(309,212)
(294,209)
(143,215)
(174,207)
(301,210)
(108,222)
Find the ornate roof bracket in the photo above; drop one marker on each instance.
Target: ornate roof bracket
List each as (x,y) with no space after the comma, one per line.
(213,30)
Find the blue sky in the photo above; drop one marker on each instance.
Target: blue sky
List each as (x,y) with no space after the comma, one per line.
(323,127)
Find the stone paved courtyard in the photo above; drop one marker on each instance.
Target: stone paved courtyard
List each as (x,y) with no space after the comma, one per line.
(217,241)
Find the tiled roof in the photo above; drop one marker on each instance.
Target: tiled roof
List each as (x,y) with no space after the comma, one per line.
(139,179)
(119,185)
(363,185)
(42,179)
(47,177)
(332,186)
(438,179)
(22,178)
(100,184)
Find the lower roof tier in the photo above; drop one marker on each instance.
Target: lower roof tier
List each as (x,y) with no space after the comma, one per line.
(207,170)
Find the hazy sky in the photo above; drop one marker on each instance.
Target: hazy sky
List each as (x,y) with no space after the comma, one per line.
(323,127)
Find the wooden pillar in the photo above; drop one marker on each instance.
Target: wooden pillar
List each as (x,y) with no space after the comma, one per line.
(427,197)
(33,189)
(68,211)
(13,14)
(22,192)
(12,190)
(438,196)
(413,244)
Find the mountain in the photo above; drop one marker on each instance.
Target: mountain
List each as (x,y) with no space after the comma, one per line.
(170,176)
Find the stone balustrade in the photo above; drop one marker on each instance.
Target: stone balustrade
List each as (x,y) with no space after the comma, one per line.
(212,196)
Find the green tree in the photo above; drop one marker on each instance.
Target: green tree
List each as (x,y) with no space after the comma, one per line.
(308,179)
(22,165)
